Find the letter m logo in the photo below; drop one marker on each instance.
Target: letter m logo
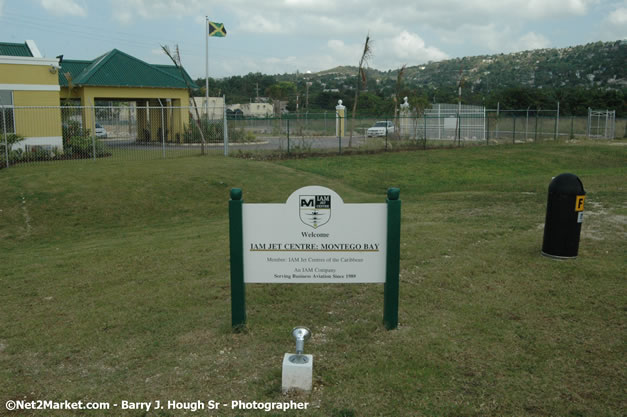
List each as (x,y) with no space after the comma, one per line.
(308,201)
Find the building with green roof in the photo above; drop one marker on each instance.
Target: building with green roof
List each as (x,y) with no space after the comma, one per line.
(31,85)
(117,76)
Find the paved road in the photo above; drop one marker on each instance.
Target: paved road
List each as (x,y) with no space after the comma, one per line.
(265,143)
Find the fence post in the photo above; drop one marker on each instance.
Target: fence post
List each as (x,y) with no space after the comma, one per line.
(514,129)
(572,122)
(93,132)
(535,138)
(225,127)
(459,128)
(557,121)
(288,136)
(484,124)
(487,130)
(6,140)
(589,122)
(424,116)
(498,114)
(439,124)
(162,131)
(386,134)
(527,125)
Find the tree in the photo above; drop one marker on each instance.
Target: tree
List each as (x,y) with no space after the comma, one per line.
(282,90)
(361,80)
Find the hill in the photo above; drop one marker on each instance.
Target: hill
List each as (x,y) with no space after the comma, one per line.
(600,64)
(592,75)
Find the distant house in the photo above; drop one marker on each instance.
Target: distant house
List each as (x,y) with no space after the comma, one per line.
(257,109)
(214,107)
(27,79)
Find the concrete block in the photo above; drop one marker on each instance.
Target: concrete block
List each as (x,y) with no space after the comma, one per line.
(297,375)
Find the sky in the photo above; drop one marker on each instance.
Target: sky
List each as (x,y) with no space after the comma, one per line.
(285,36)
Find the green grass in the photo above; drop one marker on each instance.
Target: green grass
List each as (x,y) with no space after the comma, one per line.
(116,287)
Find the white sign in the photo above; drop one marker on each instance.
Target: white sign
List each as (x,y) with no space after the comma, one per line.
(314,238)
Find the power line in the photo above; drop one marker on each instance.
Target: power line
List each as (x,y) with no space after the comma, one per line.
(86,31)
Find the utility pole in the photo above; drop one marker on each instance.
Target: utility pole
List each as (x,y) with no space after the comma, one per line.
(257,90)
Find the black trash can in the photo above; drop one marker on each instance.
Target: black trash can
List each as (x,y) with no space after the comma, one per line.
(564,215)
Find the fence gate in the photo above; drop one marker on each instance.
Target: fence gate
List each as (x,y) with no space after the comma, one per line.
(601,123)
(454,121)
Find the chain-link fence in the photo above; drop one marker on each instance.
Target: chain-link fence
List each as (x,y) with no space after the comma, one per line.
(316,133)
(37,134)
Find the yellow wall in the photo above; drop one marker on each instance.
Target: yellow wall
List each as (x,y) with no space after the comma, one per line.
(27,74)
(33,122)
(37,122)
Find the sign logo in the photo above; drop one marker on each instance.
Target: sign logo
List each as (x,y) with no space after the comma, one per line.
(579,202)
(314,210)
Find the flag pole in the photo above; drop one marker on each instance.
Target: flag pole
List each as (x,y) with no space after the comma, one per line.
(206,66)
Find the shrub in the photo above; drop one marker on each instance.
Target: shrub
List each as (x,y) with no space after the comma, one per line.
(213,131)
(11,139)
(78,142)
(83,146)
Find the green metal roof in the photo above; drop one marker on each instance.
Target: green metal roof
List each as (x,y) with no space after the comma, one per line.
(14,49)
(173,70)
(74,68)
(117,69)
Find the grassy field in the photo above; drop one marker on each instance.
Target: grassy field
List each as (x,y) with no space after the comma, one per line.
(115,286)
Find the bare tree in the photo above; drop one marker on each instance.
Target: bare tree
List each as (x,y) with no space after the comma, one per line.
(175,56)
(361,80)
(70,84)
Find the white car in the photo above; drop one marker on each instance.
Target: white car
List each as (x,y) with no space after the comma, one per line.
(101,132)
(380,128)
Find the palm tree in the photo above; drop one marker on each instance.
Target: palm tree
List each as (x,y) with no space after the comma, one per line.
(361,79)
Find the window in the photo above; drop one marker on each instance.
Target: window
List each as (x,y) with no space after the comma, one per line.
(38,148)
(6,112)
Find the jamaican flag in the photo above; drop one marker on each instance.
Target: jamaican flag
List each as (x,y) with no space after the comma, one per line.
(217,29)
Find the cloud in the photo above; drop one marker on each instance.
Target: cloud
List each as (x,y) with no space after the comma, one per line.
(345,53)
(531,40)
(410,47)
(1,6)
(615,24)
(126,11)
(265,25)
(618,16)
(64,8)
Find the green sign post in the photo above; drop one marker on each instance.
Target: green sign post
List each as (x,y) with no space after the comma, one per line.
(236,238)
(392,266)
(358,262)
